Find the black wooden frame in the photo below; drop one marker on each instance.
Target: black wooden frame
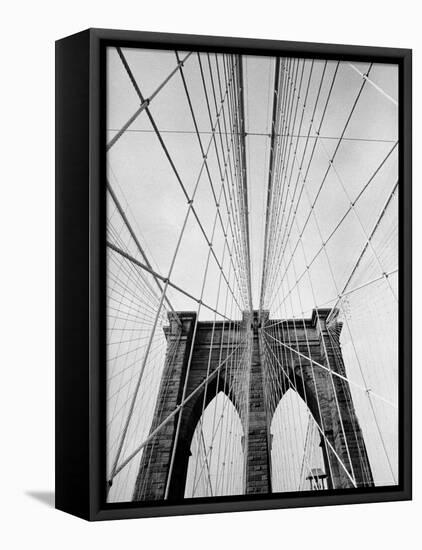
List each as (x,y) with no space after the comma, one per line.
(80,273)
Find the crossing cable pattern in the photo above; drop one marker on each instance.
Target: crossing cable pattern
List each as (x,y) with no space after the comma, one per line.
(178,224)
(141,296)
(324,249)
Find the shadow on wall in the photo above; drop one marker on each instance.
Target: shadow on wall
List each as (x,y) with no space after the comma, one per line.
(45,497)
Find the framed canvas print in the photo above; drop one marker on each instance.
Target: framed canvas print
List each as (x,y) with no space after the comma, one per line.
(233,274)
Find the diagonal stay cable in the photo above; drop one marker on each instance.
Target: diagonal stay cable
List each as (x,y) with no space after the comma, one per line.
(162,278)
(223,175)
(126,461)
(189,210)
(335,299)
(340,222)
(333,372)
(318,193)
(144,104)
(281,201)
(175,171)
(372,83)
(365,247)
(283,235)
(136,240)
(349,209)
(293,385)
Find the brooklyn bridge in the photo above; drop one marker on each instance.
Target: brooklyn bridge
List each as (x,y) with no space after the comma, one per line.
(252,279)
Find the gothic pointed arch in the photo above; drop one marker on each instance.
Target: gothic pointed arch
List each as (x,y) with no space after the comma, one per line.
(243,359)
(305,356)
(217,458)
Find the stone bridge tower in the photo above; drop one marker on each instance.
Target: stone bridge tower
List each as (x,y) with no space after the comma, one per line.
(328,397)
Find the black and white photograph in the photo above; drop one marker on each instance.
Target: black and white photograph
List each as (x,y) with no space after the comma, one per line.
(252,274)
(210,266)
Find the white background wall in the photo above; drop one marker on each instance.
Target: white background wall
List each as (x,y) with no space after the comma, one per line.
(27,274)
